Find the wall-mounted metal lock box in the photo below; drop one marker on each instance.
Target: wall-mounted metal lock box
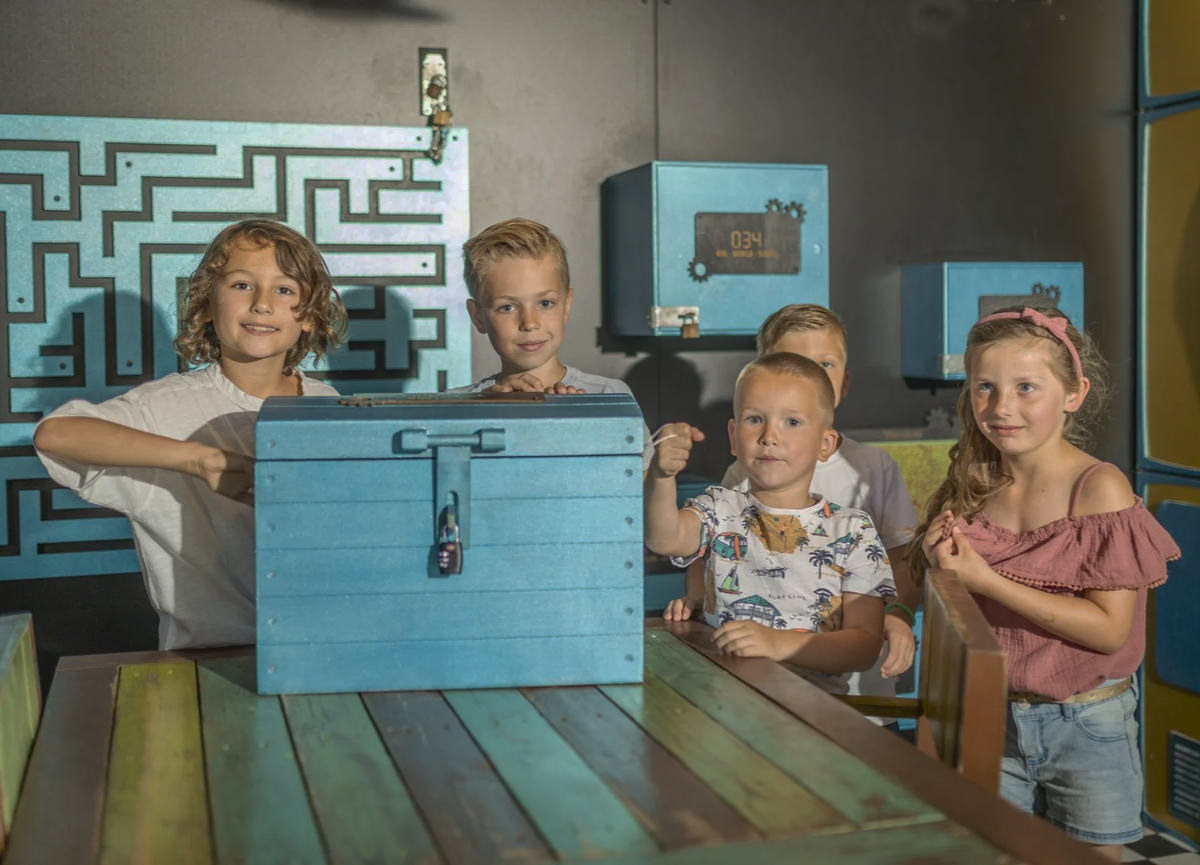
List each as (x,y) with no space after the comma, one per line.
(712,248)
(423,541)
(939,303)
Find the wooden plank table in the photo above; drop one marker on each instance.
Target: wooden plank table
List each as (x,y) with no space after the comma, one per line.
(171,757)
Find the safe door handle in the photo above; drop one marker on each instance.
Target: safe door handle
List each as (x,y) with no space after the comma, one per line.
(419,440)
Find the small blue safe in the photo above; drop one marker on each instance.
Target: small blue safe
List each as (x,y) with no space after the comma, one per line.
(425,541)
(712,248)
(939,303)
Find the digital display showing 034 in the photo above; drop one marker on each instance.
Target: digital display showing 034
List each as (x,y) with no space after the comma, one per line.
(748,243)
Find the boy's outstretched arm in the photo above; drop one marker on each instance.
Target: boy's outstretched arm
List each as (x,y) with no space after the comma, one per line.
(669,530)
(852,648)
(96,442)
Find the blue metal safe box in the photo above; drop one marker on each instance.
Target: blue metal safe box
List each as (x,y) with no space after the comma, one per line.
(365,505)
(939,303)
(712,248)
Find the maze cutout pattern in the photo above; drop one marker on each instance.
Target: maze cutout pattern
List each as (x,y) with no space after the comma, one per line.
(101,221)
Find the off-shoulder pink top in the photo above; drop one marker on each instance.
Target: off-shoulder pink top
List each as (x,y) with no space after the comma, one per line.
(1125,549)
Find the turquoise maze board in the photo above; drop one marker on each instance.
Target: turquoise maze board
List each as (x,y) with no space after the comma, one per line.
(103,219)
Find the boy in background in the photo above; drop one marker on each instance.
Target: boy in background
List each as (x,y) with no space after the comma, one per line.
(855,475)
(788,574)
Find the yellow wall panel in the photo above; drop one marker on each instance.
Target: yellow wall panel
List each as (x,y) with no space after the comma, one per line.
(1171,315)
(1172,33)
(923,464)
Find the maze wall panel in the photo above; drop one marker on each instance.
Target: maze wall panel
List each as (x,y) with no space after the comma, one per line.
(101,221)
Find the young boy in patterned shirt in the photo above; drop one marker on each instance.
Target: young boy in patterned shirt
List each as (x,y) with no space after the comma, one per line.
(788,574)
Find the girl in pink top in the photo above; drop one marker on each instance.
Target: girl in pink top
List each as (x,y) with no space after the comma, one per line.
(1059,554)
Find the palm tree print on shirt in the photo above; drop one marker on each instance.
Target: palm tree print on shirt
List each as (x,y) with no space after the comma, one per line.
(821,558)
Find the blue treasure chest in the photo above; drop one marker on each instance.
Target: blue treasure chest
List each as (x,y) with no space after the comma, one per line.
(432,541)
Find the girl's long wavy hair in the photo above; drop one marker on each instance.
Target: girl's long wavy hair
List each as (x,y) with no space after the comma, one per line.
(297,256)
(975,473)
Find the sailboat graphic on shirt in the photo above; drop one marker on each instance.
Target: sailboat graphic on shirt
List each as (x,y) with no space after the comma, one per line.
(729,585)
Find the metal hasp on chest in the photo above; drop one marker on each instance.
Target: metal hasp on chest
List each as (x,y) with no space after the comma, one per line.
(448,541)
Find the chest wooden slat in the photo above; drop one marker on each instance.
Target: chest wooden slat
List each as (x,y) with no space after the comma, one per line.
(573,809)
(468,809)
(771,801)
(363,808)
(156,808)
(390,618)
(842,780)
(252,770)
(521,522)
(352,481)
(669,800)
(475,663)
(306,572)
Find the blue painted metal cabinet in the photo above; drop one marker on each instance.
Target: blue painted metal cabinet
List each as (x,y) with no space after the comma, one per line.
(714,246)
(353,502)
(939,303)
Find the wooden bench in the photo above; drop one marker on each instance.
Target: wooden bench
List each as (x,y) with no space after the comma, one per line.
(962,696)
(20,707)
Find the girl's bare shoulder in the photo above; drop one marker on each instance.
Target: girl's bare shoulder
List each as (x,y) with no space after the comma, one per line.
(1105,489)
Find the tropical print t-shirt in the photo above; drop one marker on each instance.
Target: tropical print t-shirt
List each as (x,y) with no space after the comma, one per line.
(785,569)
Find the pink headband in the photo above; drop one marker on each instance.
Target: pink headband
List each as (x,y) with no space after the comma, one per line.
(1057,326)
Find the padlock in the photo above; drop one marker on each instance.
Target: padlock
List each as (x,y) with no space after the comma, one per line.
(450,548)
(450,557)
(689,325)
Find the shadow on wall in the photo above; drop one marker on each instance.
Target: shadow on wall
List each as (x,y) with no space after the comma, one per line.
(366,8)
(669,389)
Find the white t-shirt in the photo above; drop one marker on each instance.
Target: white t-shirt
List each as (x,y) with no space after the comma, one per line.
(786,569)
(196,548)
(867,478)
(588,383)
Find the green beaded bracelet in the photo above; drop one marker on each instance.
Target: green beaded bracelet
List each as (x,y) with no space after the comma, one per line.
(904,608)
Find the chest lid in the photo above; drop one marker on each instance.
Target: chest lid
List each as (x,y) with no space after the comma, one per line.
(400,426)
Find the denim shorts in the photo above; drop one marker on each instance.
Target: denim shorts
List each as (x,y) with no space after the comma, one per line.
(1077,765)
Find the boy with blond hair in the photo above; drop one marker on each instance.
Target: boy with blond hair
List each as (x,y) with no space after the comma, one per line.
(855,475)
(520,298)
(788,574)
